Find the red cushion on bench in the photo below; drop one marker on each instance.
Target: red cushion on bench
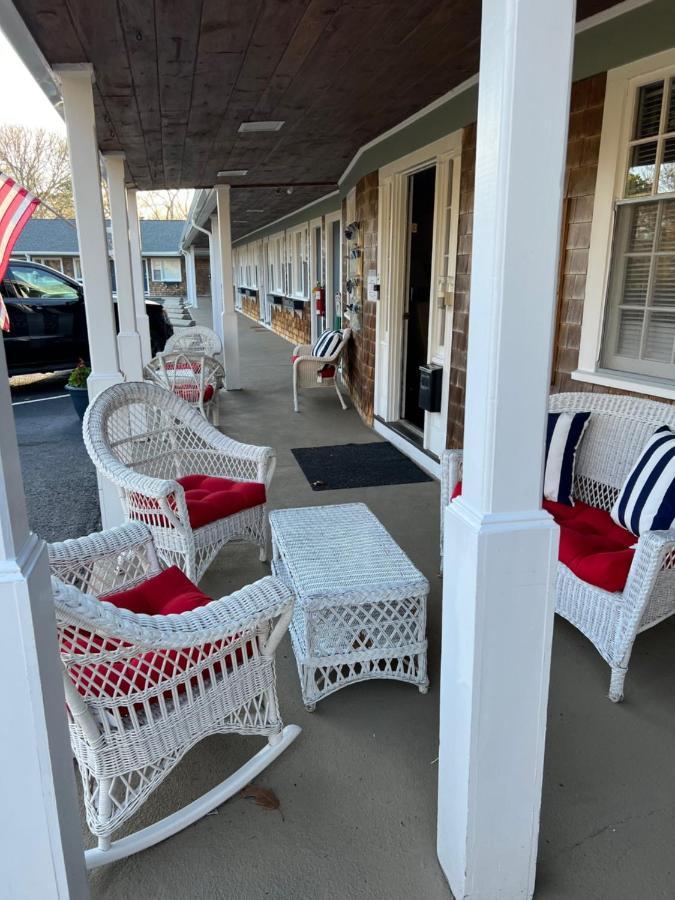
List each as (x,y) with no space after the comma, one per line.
(592,546)
(209,498)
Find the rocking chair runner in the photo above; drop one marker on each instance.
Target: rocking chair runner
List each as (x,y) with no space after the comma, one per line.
(194,487)
(141,689)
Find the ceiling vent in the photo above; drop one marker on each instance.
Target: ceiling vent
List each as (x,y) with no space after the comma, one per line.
(257,127)
(231,173)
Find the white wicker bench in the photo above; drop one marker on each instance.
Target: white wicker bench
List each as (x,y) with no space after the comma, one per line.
(618,429)
(360,607)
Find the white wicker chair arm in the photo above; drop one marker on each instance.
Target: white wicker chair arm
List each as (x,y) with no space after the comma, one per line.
(241,611)
(451,473)
(302,350)
(653,549)
(92,547)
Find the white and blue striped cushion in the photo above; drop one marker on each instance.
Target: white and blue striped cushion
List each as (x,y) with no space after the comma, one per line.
(646,502)
(327,344)
(563,435)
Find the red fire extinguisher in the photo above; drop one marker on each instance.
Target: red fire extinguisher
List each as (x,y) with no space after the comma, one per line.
(320,300)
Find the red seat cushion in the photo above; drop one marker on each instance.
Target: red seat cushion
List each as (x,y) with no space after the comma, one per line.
(169,592)
(190,392)
(209,498)
(592,546)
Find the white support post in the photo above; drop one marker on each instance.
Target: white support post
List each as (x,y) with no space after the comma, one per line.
(135,243)
(216,289)
(230,318)
(190,276)
(40,836)
(500,546)
(78,107)
(128,338)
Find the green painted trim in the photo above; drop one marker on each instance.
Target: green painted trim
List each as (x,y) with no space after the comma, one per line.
(641,32)
(633,35)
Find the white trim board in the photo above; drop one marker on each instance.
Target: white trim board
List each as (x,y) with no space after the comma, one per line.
(410,450)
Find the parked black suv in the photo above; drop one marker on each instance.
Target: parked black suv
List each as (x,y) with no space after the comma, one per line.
(48,326)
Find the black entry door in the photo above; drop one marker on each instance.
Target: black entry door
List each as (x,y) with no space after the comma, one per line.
(421,187)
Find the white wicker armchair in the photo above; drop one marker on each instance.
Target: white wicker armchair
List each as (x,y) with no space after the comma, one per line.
(194,377)
(195,339)
(618,429)
(143,438)
(307,369)
(141,690)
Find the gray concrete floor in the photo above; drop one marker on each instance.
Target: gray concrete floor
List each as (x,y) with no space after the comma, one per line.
(358,787)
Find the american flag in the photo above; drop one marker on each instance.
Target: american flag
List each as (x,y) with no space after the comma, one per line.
(17,205)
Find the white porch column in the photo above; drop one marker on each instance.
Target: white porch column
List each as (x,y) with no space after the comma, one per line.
(216,274)
(128,338)
(500,547)
(40,837)
(78,108)
(190,276)
(230,319)
(142,323)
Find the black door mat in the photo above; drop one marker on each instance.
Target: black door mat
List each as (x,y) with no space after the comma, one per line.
(341,466)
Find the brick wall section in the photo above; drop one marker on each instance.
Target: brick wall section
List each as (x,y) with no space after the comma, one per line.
(460,318)
(295,327)
(203,276)
(359,371)
(250,306)
(583,146)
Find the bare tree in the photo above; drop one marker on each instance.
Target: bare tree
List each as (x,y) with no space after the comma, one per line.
(167,204)
(38,159)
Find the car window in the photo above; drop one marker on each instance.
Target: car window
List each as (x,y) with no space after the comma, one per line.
(29,282)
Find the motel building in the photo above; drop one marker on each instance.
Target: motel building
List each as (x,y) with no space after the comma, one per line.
(483,194)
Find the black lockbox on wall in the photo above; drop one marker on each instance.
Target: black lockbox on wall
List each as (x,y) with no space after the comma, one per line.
(431,387)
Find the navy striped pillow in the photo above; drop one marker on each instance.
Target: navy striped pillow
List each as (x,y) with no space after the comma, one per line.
(327,344)
(646,502)
(563,435)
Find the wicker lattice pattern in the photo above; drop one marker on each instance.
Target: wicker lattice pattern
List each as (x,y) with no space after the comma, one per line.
(307,369)
(195,339)
(194,377)
(360,603)
(617,431)
(142,690)
(142,438)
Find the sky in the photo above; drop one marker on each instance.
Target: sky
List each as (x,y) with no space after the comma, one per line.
(24,104)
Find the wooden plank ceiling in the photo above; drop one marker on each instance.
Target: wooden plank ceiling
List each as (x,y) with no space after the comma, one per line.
(176,78)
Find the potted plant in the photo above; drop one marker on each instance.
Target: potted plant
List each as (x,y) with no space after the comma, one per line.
(77,385)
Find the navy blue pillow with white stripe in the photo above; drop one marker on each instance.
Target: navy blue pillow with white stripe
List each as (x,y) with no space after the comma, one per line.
(563,436)
(327,344)
(646,502)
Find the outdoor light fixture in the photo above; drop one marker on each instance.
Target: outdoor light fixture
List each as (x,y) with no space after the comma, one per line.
(256,127)
(231,173)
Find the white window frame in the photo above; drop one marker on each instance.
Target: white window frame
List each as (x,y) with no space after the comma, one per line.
(157,263)
(77,268)
(617,122)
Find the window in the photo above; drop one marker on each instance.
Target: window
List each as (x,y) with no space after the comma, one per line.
(32,283)
(166,269)
(54,262)
(77,268)
(628,331)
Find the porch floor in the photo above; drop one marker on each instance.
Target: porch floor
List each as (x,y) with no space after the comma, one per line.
(358,787)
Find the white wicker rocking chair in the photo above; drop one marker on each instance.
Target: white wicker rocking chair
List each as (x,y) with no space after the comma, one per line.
(194,377)
(617,431)
(195,339)
(141,690)
(307,369)
(144,438)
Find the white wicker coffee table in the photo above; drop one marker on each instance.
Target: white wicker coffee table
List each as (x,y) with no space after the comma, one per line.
(361,605)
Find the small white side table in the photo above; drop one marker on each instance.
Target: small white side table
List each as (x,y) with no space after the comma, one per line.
(361,605)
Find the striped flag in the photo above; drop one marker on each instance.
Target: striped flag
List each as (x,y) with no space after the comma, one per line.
(16,207)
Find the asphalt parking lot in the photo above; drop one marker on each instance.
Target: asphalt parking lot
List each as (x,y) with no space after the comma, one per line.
(59,478)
